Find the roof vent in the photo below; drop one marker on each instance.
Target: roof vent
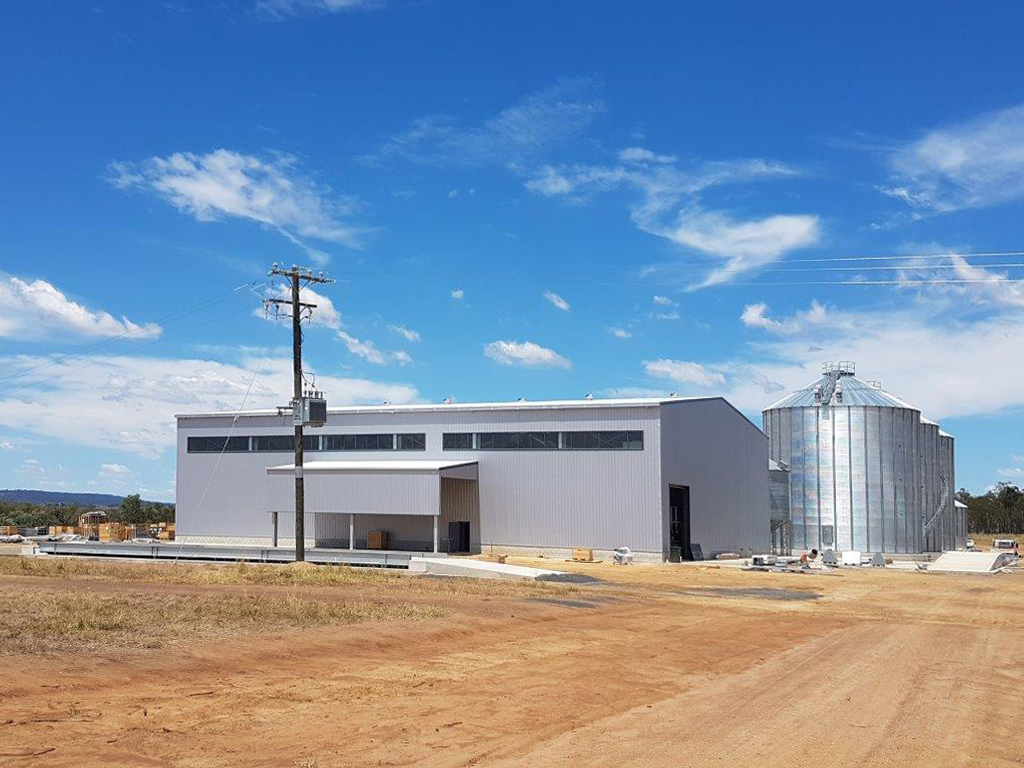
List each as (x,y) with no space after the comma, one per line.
(817,394)
(447,401)
(589,396)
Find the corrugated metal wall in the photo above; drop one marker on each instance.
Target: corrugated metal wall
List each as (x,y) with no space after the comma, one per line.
(542,499)
(536,499)
(407,493)
(723,458)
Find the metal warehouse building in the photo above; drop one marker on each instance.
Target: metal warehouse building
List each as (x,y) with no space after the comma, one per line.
(854,467)
(664,477)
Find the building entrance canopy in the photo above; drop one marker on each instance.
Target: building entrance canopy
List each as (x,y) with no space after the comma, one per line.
(366,487)
(393,488)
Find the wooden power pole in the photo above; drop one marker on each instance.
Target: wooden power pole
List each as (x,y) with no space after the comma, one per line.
(298,278)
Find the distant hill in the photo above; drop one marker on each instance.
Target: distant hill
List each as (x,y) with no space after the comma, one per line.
(60,497)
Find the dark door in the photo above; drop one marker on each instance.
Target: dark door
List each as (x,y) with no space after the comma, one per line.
(679,523)
(458,536)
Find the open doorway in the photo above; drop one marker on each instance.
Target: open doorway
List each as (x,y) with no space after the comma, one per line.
(679,523)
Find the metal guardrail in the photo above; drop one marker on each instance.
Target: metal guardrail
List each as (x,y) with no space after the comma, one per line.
(222,553)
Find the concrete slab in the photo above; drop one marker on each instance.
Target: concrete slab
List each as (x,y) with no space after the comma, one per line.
(480,569)
(970,562)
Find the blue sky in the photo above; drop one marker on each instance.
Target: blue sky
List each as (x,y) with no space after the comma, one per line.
(525,199)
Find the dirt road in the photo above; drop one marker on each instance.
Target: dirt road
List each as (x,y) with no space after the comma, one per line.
(658,666)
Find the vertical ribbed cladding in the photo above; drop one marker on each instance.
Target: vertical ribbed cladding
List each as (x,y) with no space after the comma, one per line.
(866,472)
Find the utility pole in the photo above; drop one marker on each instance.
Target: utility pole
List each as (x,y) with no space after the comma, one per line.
(298,277)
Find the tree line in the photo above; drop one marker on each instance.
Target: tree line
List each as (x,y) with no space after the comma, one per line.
(1000,510)
(133,511)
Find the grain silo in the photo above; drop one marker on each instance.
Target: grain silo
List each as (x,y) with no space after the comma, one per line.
(864,470)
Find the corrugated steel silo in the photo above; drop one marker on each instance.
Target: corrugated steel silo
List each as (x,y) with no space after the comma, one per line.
(866,471)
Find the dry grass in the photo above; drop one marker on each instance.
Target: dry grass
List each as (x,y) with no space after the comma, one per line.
(73,568)
(43,621)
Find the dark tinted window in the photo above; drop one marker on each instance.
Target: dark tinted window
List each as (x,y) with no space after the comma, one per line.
(604,440)
(359,442)
(518,441)
(412,442)
(457,441)
(375,442)
(596,440)
(274,443)
(311,442)
(339,442)
(218,444)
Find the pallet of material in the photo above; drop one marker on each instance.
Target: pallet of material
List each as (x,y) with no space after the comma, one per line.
(112,532)
(582,555)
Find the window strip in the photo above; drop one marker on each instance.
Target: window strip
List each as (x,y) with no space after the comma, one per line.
(593,440)
(416,441)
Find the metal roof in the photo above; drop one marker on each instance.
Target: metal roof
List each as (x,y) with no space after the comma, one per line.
(631,402)
(369,466)
(854,392)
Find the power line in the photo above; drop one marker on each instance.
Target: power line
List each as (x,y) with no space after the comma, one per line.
(547,268)
(982,254)
(937,281)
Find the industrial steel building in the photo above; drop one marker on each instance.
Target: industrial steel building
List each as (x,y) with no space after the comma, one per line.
(856,468)
(675,477)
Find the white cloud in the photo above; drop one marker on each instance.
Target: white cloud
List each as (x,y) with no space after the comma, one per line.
(37,308)
(664,301)
(641,155)
(983,286)
(973,164)
(30,467)
(525,354)
(744,245)
(756,316)
(623,392)
(324,314)
(227,184)
(525,130)
(683,372)
(556,300)
(33,472)
(458,294)
(670,315)
(405,333)
(368,351)
(279,9)
(620,333)
(114,470)
(128,403)
(929,352)
(668,207)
